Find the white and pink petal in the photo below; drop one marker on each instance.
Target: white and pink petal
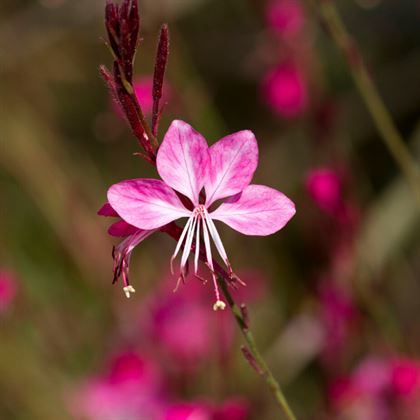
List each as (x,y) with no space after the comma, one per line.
(258,210)
(233,161)
(182,160)
(146,203)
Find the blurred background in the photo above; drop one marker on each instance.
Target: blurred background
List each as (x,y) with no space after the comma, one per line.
(333,297)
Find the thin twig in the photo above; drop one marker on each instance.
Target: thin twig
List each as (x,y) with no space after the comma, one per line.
(258,362)
(381,117)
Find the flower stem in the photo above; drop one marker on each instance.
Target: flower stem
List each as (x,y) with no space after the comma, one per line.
(381,117)
(258,361)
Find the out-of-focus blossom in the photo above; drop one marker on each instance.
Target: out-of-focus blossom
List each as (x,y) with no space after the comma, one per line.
(8,290)
(372,375)
(143,88)
(379,388)
(338,315)
(187,165)
(405,376)
(167,318)
(129,391)
(285,91)
(234,409)
(182,327)
(285,17)
(189,411)
(325,187)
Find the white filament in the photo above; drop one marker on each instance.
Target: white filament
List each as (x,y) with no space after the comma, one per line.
(216,238)
(188,242)
(181,240)
(197,247)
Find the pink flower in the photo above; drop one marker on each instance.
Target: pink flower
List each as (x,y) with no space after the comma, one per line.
(285,91)
(405,376)
(233,409)
(187,165)
(338,314)
(285,17)
(143,88)
(129,391)
(324,185)
(8,290)
(372,376)
(189,411)
(167,319)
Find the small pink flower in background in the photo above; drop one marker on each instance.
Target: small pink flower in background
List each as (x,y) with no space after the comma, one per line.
(405,376)
(284,90)
(372,375)
(285,17)
(8,290)
(167,320)
(204,175)
(143,88)
(379,388)
(189,411)
(129,391)
(338,314)
(325,187)
(233,409)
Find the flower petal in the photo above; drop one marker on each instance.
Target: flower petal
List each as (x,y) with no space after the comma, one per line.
(146,203)
(182,159)
(122,229)
(107,211)
(258,210)
(233,161)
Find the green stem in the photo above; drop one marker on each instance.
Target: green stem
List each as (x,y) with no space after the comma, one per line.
(367,89)
(258,360)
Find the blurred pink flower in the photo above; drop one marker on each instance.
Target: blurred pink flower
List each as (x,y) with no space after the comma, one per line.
(233,409)
(286,17)
(338,314)
(405,376)
(8,290)
(379,388)
(187,165)
(188,411)
(324,185)
(143,88)
(284,89)
(167,319)
(129,391)
(372,375)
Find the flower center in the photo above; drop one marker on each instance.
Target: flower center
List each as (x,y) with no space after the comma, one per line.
(199,223)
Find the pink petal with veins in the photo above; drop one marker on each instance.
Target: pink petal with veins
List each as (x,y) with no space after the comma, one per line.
(146,203)
(182,159)
(121,229)
(233,161)
(258,211)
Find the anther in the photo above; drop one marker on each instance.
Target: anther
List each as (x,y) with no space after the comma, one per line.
(219,305)
(129,289)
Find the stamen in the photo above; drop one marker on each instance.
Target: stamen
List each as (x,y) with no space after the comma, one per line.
(128,289)
(180,241)
(197,247)
(216,238)
(219,303)
(188,242)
